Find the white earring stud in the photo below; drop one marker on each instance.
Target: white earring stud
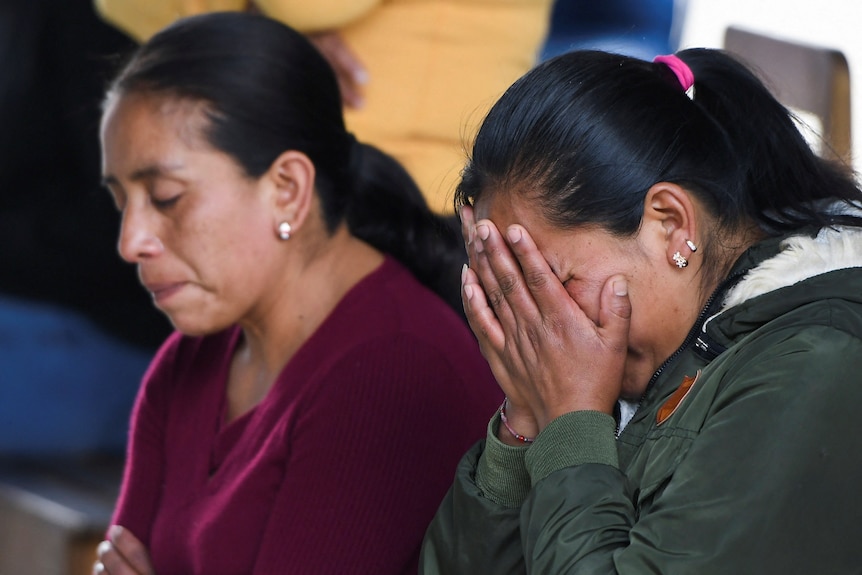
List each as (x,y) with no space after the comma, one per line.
(284,231)
(691,245)
(680,260)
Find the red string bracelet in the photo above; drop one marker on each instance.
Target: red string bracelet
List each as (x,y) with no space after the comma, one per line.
(515,434)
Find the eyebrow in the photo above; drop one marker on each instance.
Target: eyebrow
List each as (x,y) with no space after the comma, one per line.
(145,173)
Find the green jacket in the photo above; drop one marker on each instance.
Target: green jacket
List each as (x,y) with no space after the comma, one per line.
(757,470)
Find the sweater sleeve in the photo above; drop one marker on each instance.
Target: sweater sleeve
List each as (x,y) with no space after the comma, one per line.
(144,470)
(477,527)
(370,460)
(480,517)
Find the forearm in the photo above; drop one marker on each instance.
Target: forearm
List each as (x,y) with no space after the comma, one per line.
(501,473)
(500,514)
(144,475)
(578,496)
(471,533)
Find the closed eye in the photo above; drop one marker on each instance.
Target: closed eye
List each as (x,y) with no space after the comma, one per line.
(164,194)
(166,203)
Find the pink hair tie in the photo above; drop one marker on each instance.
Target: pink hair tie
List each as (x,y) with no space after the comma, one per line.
(681,70)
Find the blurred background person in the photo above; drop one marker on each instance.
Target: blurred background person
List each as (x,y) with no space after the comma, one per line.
(76,329)
(416,75)
(640,28)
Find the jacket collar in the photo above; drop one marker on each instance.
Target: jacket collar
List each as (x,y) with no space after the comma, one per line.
(781,275)
(799,258)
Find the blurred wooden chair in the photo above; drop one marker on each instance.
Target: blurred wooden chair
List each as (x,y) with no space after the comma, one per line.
(806,78)
(54,512)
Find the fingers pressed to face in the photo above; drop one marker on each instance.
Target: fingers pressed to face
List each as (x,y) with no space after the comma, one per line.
(542,284)
(496,268)
(615,313)
(517,278)
(482,319)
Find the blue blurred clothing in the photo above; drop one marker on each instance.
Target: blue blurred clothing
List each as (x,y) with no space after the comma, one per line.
(66,387)
(641,28)
(72,356)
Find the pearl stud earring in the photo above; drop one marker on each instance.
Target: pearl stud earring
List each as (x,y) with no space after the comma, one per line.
(284,231)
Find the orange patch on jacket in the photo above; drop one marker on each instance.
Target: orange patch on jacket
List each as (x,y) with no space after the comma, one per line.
(674,401)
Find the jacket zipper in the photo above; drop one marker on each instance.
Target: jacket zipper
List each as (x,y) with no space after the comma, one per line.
(692,334)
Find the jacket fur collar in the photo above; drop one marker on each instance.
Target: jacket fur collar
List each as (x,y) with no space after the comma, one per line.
(800,257)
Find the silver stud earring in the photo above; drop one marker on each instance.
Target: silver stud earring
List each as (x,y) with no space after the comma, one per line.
(691,245)
(284,231)
(680,260)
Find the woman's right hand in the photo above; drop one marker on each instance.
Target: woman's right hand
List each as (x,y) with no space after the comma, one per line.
(349,70)
(122,554)
(548,357)
(519,419)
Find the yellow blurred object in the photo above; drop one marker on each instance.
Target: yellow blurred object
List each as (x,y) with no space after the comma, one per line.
(435,66)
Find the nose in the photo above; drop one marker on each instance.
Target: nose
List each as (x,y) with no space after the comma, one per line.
(139,239)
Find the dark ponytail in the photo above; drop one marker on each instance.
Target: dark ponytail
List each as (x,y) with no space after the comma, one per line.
(268,90)
(586,134)
(389,211)
(786,183)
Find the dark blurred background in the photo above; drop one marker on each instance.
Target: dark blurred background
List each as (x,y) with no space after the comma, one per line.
(59,226)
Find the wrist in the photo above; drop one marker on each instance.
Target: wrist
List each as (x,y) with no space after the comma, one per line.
(516,427)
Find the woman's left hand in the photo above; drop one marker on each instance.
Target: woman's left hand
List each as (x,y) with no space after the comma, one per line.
(349,70)
(122,554)
(548,356)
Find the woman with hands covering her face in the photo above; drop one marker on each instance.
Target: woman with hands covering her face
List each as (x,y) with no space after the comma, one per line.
(666,283)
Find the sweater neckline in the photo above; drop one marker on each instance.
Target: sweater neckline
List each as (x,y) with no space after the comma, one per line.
(227,434)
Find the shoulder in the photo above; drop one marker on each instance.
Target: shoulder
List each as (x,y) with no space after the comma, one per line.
(813,316)
(407,362)
(805,362)
(391,304)
(791,350)
(392,333)
(795,304)
(794,352)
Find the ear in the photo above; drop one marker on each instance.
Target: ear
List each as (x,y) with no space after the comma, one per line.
(672,213)
(291,176)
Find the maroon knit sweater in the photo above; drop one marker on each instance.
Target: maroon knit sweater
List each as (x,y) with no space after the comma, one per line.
(342,465)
